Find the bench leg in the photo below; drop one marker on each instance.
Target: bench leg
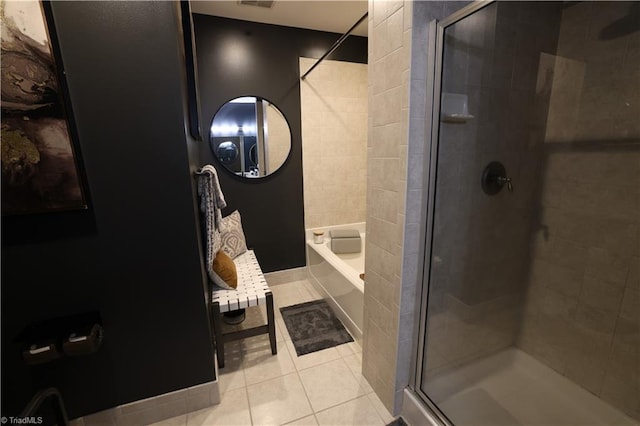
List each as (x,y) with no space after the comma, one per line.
(272,324)
(217,332)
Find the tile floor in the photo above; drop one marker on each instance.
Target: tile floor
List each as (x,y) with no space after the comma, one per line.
(321,388)
(512,388)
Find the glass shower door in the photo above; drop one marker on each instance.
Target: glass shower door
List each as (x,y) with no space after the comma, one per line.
(532,308)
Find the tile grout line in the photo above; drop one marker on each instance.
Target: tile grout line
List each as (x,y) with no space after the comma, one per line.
(313,411)
(246,392)
(246,385)
(364,395)
(298,370)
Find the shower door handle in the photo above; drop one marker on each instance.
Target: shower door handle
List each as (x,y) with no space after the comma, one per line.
(505,180)
(494,178)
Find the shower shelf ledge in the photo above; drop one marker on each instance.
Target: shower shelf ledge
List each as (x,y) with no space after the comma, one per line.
(454,108)
(456,118)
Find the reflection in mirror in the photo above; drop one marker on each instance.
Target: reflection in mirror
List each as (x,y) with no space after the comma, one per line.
(227,152)
(250,137)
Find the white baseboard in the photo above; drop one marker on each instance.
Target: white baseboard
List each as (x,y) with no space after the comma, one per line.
(157,408)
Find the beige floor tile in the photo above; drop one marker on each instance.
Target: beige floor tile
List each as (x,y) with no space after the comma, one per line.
(289,300)
(306,421)
(344,350)
(294,293)
(330,384)
(260,364)
(359,411)
(232,410)
(312,291)
(380,408)
(280,335)
(308,292)
(232,375)
(284,332)
(354,362)
(354,346)
(174,421)
(289,293)
(278,314)
(254,316)
(313,359)
(278,401)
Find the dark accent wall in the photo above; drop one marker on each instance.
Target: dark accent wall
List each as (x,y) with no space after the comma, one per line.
(239,58)
(135,256)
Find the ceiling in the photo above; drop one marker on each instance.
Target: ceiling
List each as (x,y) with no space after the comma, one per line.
(332,16)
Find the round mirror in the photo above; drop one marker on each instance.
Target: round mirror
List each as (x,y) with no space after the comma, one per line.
(250,137)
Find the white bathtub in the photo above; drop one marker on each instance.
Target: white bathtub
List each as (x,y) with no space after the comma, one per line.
(337,278)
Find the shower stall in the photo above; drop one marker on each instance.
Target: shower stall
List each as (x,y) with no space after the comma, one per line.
(531,293)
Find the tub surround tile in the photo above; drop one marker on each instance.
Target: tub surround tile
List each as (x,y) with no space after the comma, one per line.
(334,135)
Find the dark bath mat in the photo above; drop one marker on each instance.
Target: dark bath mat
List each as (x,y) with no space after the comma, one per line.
(398,422)
(313,327)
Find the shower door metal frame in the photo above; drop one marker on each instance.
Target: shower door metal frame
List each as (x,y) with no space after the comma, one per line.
(434,94)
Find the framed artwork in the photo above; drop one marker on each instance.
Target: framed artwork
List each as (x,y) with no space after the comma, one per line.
(191,65)
(42,167)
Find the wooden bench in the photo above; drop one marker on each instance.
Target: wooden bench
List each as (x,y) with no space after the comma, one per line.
(252,291)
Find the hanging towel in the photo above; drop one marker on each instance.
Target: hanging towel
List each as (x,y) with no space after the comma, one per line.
(211,204)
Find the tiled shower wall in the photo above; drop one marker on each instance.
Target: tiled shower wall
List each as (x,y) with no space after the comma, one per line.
(334,142)
(389,52)
(582,314)
(395,173)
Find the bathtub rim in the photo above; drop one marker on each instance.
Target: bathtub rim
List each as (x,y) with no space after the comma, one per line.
(334,260)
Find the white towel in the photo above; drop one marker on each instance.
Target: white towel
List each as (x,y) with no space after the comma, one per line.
(211,204)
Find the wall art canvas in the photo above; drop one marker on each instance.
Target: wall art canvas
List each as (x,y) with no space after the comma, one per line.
(41,169)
